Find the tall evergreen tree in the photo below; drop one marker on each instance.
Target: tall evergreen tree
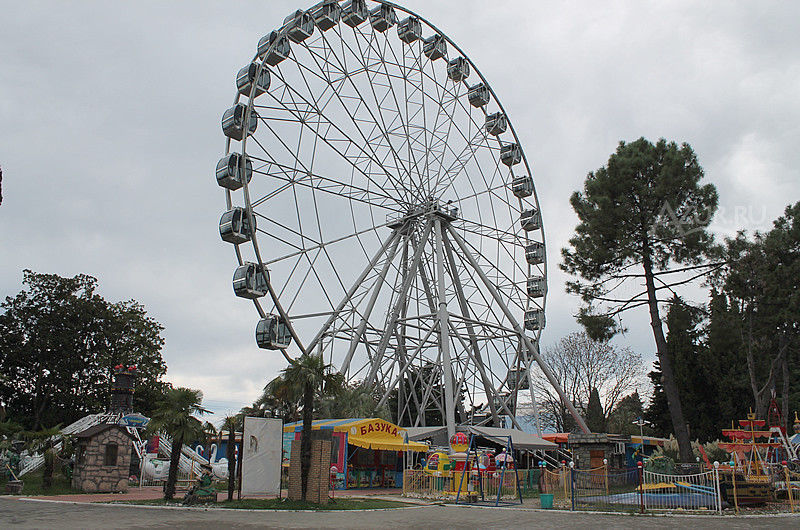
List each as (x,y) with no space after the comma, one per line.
(643,216)
(595,419)
(623,418)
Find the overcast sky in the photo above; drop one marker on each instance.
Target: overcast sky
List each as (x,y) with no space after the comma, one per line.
(109,133)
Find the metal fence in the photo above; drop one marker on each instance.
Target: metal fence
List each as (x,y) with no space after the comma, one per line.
(699,491)
(418,483)
(606,489)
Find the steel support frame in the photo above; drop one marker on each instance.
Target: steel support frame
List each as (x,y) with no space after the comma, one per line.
(527,341)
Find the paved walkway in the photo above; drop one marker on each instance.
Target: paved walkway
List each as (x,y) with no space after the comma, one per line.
(23,513)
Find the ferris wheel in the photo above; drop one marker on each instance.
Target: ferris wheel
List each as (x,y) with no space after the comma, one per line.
(383,214)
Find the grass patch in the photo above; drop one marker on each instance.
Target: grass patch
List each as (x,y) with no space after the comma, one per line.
(285,504)
(32,485)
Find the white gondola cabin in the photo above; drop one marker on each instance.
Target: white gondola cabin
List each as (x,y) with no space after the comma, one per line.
(409,30)
(250,281)
(235,122)
(522,186)
(435,47)
(530,220)
(534,319)
(274,48)
(234,226)
(382,17)
(247,76)
(327,15)
(510,154)
(536,286)
(299,26)
(272,333)
(354,12)
(458,69)
(496,123)
(230,169)
(478,95)
(534,253)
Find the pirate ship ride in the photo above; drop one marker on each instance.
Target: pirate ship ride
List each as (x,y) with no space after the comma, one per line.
(757,448)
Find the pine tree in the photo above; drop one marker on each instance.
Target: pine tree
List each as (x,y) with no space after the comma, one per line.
(595,419)
(643,217)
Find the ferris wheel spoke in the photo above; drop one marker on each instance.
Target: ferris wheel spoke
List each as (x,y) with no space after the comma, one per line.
(406,171)
(342,64)
(346,138)
(316,181)
(395,235)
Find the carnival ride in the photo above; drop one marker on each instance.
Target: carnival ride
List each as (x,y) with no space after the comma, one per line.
(383,213)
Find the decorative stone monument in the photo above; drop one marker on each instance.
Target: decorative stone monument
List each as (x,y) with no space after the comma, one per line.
(102,459)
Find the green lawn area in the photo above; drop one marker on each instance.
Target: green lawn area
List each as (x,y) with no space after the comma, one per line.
(284,504)
(32,484)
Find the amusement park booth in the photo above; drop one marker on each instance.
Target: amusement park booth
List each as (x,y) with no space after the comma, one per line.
(365,452)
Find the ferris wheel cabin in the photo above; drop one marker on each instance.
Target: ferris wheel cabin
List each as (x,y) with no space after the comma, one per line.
(536,286)
(229,171)
(234,226)
(274,54)
(510,154)
(250,281)
(233,122)
(382,17)
(435,47)
(272,333)
(522,186)
(534,253)
(354,12)
(458,69)
(479,95)
(496,123)
(530,220)
(409,30)
(534,319)
(247,76)
(299,26)
(327,15)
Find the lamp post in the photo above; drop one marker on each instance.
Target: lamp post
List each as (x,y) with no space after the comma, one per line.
(640,422)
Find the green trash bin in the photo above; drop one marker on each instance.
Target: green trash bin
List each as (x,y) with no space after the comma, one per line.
(546,500)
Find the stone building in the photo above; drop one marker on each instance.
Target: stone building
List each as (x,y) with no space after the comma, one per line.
(589,450)
(103,459)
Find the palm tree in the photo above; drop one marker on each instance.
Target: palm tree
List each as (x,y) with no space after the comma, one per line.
(175,416)
(352,401)
(231,423)
(309,374)
(210,432)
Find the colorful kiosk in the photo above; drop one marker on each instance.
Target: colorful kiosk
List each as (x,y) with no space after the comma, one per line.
(365,452)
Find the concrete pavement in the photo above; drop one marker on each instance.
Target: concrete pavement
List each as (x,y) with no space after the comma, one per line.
(23,513)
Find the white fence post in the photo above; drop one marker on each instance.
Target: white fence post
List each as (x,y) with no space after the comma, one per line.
(716,482)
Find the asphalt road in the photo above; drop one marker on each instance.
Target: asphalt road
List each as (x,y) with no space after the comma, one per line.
(20,513)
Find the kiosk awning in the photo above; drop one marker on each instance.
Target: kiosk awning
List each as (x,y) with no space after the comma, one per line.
(369,433)
(521,440)
(385,444)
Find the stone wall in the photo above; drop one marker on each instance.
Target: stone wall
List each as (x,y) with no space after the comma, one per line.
(91,475)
